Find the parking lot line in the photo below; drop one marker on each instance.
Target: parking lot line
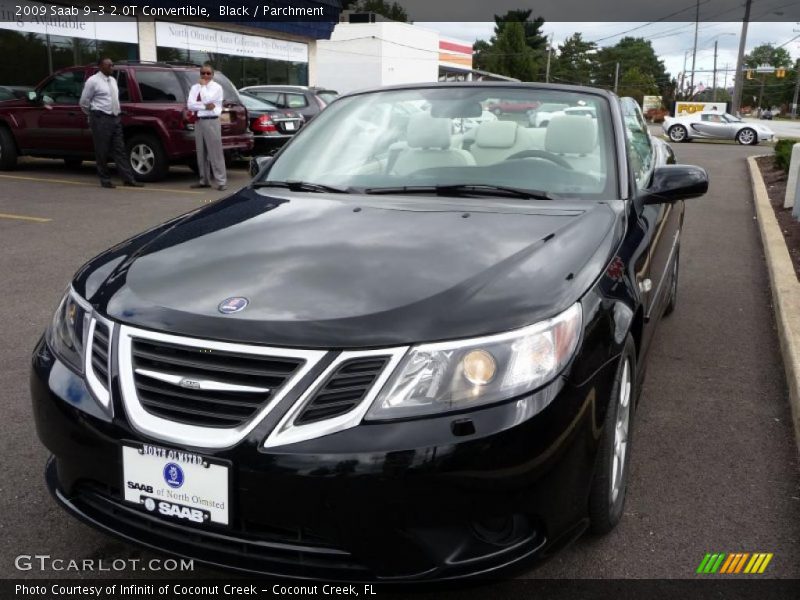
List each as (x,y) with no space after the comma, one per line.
(24,218)
(72,182)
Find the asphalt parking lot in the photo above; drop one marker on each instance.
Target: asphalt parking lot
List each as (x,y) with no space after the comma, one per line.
(715,467)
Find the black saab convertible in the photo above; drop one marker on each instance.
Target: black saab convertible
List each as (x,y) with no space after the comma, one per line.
(411,348)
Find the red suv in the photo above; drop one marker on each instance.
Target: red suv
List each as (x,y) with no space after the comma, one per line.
(159,130)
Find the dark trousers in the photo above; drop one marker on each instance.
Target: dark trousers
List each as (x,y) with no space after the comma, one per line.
(109,143)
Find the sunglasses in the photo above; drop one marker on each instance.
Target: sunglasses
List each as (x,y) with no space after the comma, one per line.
(206,73)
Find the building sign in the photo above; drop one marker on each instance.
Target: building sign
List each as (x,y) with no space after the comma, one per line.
(34,17)
(651,103)
(188,37)
(455,53)
(687,108)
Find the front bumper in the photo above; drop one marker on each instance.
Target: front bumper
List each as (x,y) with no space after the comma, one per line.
(405,500)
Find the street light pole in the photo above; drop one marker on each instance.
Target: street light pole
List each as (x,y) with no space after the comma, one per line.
(714,84)
(616,78)
(738,82)
(694,51)
(549,53)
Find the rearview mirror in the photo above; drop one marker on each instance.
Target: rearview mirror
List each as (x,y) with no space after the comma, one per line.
(259,163)
(676,182)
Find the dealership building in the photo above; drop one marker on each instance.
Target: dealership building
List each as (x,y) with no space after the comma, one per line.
(34,43)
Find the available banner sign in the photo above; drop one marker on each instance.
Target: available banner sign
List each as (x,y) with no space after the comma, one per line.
(687,108)
(34,17)
(651,103)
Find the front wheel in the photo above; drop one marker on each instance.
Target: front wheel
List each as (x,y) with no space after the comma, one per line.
(607,496)
(747,137)
(677,133)
(148,160)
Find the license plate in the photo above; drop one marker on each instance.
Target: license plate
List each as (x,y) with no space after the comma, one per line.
(289,126)
(175,484)
(225,118)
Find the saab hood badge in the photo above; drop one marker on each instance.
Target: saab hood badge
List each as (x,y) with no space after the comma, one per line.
(233,305)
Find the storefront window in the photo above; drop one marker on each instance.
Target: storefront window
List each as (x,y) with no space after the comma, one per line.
(38,55)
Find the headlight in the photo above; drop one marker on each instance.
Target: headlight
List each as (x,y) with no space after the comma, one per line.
(446,376)
(67,332)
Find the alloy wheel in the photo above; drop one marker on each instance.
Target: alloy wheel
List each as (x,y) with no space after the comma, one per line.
(621,429)
(142,159)
(677,134)
(746,136)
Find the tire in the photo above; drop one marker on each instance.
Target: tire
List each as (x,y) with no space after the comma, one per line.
(747,137)
(8,150)
(147,156)
(609,486)
(677,134)
(73,163)
(673,284)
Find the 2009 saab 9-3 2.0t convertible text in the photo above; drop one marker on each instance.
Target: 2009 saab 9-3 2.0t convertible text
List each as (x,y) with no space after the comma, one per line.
(409,349)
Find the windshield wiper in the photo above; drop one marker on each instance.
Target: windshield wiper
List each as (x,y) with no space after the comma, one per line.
(464,188)
(301,186)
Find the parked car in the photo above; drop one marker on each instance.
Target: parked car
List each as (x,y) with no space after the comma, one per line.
(272,127)
(541,116)
(715,126)
(766,114)
(308,101)
(367,366)
(500,107)
(158,128)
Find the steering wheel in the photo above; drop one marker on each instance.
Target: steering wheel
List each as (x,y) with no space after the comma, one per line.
(553,158)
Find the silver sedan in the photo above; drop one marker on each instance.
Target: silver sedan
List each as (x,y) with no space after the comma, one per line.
(715,126)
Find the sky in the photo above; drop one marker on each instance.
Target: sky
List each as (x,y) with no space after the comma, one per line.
(670,40)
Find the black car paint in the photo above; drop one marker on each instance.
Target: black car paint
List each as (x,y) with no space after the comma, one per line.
(405,499)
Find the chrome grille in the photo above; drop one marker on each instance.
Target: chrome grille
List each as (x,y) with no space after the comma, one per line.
(100,346)
(206,386)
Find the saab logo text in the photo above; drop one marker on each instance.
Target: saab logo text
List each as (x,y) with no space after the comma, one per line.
(735,563)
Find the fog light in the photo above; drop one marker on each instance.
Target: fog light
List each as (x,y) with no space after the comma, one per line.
(479,367)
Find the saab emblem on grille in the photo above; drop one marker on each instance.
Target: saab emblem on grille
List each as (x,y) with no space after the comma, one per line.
(232,305)
(189,383)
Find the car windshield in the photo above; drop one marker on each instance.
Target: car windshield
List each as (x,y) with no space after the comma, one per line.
(438,137)
(254,103)
(732,119)
(327,96)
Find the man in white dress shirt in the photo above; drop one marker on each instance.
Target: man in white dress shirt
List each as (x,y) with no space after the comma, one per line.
(100,101)
(205,99)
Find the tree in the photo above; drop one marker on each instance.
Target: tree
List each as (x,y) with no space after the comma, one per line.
(575,61)
(637,84)
(631,53)
(392,10)
(517,48)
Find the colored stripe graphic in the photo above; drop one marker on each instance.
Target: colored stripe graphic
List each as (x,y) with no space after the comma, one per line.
(734,563)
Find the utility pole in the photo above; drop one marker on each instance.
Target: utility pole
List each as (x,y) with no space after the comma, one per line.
(694,51)
(738,75)
(796,93)
(725,84)
(616,78)
(714,85)
(549,53)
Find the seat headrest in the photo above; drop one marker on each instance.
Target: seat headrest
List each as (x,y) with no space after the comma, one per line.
(425,131)
(496,134)
(571,134)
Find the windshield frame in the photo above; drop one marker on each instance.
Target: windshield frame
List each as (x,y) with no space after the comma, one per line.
(615,188)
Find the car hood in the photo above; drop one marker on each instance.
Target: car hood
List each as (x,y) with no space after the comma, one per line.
(345,271)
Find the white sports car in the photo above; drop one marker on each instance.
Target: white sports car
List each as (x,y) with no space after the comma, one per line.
(715,126)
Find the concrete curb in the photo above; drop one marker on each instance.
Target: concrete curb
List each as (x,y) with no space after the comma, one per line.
(785,290)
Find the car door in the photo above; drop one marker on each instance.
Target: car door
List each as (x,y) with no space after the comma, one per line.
(713,126)
(55,124)
(662,220)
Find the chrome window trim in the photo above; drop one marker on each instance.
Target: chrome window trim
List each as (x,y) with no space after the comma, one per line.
(101,392)
(286,432)
(193,435)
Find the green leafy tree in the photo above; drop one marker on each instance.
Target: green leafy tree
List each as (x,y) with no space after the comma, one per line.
(636,83)
(575,61)
(631,53)
(517,46)
(390,10)
(767,89)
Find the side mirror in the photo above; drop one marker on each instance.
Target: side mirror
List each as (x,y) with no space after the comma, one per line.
(259,163)
(676,182)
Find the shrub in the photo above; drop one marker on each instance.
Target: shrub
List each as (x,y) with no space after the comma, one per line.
(783,153)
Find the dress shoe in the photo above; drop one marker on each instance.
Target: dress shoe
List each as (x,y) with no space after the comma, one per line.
(133,184)
(222,188)
(200,185)
(107,184)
